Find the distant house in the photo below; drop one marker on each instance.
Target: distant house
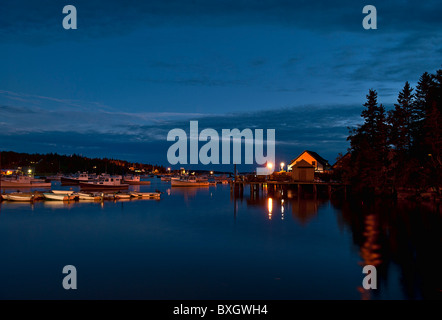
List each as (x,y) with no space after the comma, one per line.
(318,162)
(303,171)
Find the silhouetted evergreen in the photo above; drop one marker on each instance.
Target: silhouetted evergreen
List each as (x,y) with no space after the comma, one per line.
(402,150)
(369,147)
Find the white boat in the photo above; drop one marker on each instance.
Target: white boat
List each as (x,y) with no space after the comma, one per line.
(69,192)
(22,197)
(81,177)
(89,196)
(59,197)
(24,182)
(146,194)
(108,183)
(190,181)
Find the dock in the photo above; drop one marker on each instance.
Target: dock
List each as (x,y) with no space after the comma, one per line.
(283,187)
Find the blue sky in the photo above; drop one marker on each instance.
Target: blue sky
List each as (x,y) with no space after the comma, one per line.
(134,70)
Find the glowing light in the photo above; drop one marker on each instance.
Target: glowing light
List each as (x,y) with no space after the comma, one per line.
(211,172)
(282,165)
(29,171)
(168,169)
(269,165)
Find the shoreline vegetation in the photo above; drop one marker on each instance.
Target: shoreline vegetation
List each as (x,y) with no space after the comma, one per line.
(398,153)
(53,163)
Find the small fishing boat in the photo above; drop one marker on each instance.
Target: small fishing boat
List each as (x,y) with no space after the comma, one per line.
(146,194)
(22,197)
(190,181)
(69,192)
(89,196)
(122,196)
(108,183)
(59,197)
(24,182)
(80,177)
(134,180)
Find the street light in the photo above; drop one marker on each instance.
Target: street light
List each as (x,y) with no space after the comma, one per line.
(269,165)
(282,166)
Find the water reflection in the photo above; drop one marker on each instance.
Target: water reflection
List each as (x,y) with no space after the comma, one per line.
(270,207)
(404,235)
(388,235)
(314,246)
(58,204)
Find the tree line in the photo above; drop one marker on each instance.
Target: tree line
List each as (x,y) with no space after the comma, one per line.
(51,163)
(400,148)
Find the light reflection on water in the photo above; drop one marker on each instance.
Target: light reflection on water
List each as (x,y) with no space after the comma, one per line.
(211,243)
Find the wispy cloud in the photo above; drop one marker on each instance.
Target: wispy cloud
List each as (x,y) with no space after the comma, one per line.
(100,132)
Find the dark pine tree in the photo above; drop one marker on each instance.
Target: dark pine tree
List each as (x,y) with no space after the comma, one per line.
(420,110)
(400,119)
(432,129)
(400,136)
(369,148)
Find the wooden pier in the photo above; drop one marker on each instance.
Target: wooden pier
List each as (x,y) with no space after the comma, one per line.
(299,187)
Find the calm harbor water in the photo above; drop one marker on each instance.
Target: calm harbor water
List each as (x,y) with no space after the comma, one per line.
(205,243)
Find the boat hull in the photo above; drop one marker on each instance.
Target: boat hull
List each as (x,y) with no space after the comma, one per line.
(68,192)
(146,194)
(122,196)
(20,198)
(94,186)
(178,183)
(58,197)
(18,185)
(137,183)
(88,197)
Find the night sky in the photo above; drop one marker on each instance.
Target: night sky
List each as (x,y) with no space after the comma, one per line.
(134,70)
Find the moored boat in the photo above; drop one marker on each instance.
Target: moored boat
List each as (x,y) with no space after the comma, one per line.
(24,182)
(122,196)
(69,192)
(22,197)
(89,196)
(81,177)
(134,180)
(59,197)
(190,181)
(146,194)
(108,183)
